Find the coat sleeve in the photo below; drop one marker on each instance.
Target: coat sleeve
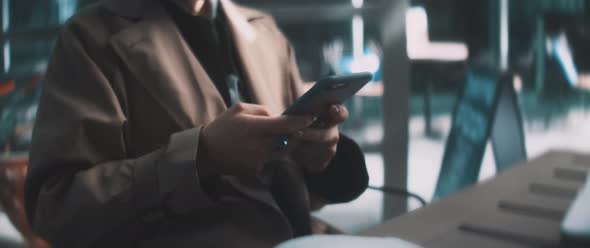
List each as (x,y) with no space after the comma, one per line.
(80,176)
(346,177)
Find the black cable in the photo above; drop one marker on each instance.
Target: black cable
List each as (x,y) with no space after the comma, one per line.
(400,192)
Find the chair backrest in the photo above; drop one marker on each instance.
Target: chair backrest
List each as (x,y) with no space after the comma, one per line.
(486,107)
(508,138)
(12,179)
(471,125)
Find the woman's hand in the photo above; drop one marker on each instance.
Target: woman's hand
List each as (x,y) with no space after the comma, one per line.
(242,139)
(316,146)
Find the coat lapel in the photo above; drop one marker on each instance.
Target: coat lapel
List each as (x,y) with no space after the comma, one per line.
(245,40)
(249,48)
(160,59)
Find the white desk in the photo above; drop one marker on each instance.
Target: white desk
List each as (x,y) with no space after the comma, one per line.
(522,207)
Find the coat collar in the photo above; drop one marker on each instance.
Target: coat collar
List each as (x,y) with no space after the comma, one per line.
(155,52)
(136,9)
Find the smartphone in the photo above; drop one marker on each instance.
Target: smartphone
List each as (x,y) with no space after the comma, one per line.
(328,91)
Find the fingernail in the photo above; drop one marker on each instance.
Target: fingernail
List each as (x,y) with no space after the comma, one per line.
(335,109)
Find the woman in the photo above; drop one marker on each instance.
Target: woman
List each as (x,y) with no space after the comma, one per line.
(159,127)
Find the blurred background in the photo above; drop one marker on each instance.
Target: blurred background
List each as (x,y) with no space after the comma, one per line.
(463,89)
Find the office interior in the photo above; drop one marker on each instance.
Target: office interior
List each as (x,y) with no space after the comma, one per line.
(526,61)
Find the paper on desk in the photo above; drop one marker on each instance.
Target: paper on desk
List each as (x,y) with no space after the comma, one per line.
(344,241)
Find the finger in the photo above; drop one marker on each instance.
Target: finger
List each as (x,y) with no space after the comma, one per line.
(282,154)
(315,157)
(280,124)
(251,109)
(330,135)
(336,114)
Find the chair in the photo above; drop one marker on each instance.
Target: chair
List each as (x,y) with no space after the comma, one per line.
(12,177)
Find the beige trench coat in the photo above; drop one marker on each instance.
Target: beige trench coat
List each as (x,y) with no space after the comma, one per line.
(114,153)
